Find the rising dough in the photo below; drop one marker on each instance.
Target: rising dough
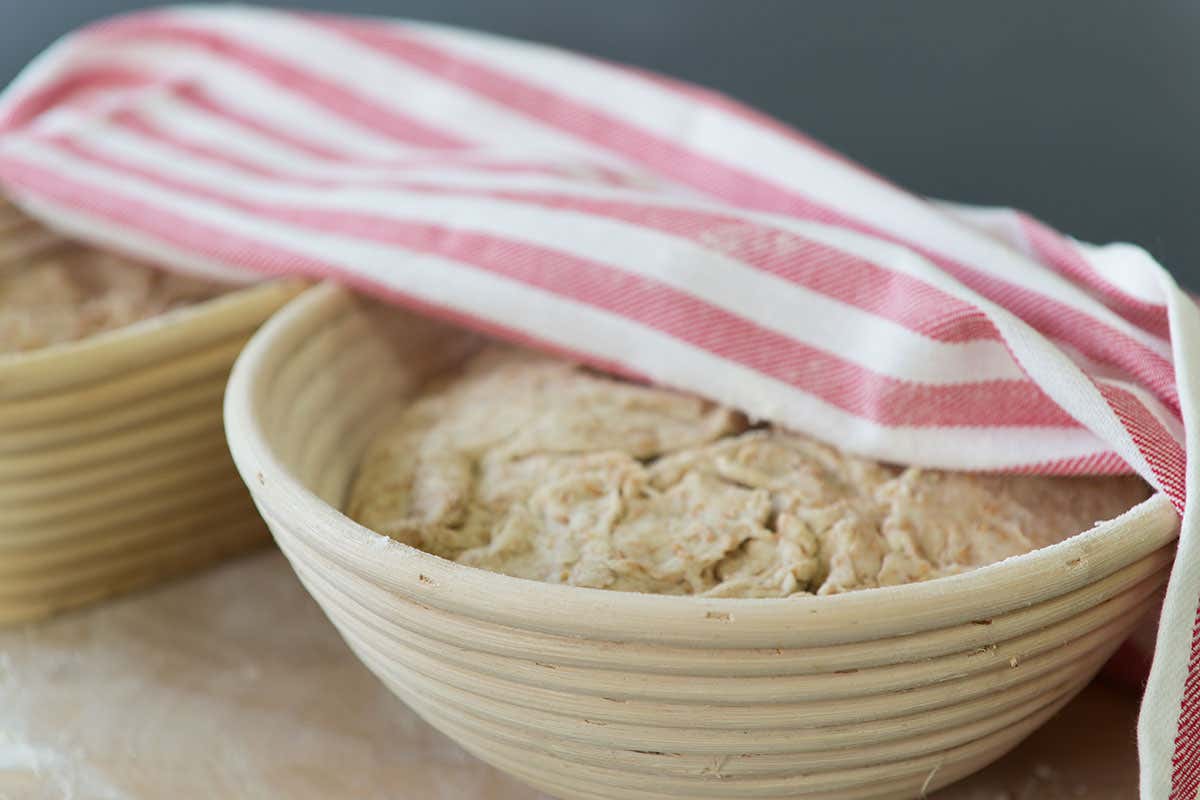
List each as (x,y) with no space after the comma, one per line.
(74,292)
(534,467)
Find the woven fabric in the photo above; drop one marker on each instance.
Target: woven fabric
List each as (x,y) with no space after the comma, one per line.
(641,225)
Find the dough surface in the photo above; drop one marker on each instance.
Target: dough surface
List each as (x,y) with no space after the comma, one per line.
(53,291)
(534,467)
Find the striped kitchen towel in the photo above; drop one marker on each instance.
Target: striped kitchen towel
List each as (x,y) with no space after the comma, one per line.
(636,223)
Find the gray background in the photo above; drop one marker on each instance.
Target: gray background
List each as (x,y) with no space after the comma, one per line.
(1084,113)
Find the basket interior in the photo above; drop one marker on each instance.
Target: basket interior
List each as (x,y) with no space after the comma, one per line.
(346,380)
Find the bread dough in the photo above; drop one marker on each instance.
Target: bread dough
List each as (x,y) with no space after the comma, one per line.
(531,466)
(53,291)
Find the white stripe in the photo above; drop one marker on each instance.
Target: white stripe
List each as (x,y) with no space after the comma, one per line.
(386,82)
(615,338)
(1060,377)
(199,126)
(1172,652)
(1070,388)
(982,360)
(245,91)
(770,156)
(1167,418)
(106,235)
(875,343)
(999,222)
(1049,367)
(1127,267)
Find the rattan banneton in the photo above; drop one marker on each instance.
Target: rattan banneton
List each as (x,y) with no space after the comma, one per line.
(591,694)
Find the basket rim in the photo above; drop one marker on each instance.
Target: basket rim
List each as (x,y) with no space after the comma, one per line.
(97,344)
(305,525)
(95,359)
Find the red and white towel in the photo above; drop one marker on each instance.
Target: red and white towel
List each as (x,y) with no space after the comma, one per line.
(639,224)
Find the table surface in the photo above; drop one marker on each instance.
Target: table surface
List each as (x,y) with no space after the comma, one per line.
(233,684)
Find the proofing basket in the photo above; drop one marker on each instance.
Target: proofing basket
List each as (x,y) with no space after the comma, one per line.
(114,471)
(594,695)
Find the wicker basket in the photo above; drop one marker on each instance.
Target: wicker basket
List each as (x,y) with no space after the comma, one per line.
(592,694)
(113,466)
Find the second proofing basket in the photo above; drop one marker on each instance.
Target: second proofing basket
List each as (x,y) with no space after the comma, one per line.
(599,695)
(114,471)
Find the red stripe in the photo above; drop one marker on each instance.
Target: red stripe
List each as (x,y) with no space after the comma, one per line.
(200,98)
(1108,463)
(1163,453)
(1098,340)
(86,81)
(134,121)
(1056,251)
(347,103)
(69,88)
(137,122)
(1185,772)
(196,95)
(908,301)
(879,398)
